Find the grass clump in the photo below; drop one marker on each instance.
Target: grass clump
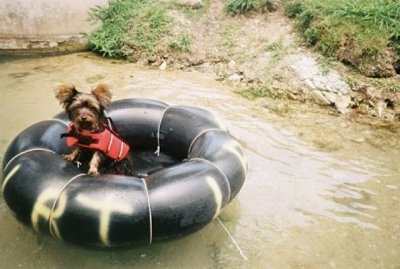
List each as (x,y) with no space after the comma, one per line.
(356,32)
(181,42)
(244,6)
(128,27)
(254,92)
(229,33)
(277,49)
(325,64)
(390,85)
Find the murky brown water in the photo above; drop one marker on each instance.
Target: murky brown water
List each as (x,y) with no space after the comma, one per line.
(304,205)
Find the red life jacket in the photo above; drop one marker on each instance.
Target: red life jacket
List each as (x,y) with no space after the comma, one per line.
(107,141)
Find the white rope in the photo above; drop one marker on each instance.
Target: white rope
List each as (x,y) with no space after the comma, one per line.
(56,201)
(108,120)
(150,217)
(60,121)
(24,152)
(200,134)
(157,152)
(219,170)
(8,177)
(35,149)
(232,239)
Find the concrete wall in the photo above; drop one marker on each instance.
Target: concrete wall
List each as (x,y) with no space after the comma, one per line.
(45,24)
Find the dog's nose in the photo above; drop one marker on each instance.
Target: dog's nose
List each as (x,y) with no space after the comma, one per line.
(84,118)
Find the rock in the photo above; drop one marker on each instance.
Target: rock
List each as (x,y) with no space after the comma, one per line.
(194,4)
(232,65)
(326,89)
(342,103)
(235,77)
(163,65)
(190,3)
(380,106)
(53,44)
(359,140)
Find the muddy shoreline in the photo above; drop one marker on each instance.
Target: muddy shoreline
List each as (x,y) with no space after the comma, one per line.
(294,112)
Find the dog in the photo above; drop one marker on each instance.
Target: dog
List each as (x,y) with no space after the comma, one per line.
(91,134)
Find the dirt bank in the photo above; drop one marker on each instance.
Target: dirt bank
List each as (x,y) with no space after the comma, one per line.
(260,56)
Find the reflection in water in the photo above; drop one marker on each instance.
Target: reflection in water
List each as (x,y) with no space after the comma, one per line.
(300,207)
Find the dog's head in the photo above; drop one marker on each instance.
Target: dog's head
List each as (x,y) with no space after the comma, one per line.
(85,110)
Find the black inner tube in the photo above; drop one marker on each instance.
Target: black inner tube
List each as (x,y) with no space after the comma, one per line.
(198,169)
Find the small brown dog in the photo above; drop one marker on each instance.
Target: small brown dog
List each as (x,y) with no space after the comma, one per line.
(90,131)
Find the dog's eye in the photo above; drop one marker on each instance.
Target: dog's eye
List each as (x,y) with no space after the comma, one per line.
(93,108)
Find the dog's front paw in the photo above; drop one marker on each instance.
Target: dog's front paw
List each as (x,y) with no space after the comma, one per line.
(93,171)
(68,157)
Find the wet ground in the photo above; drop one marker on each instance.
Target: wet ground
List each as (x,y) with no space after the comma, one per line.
(321,192)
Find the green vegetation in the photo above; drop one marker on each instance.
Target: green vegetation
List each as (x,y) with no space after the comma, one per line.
(278,51)
(244,6)
(254,92)
(351,81)
(351,31)
(388,84)
(325,64)
(129,27)
(181,42)
(362,33)
(229,32)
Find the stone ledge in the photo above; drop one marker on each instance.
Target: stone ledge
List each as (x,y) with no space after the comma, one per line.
(40,45)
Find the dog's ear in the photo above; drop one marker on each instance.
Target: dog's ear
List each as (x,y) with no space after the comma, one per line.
(64,93)
(103,94)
